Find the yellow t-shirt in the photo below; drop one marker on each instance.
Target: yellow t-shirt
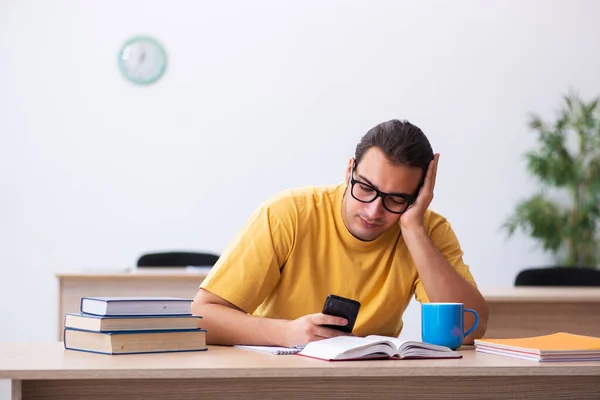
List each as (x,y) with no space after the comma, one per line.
(295,250)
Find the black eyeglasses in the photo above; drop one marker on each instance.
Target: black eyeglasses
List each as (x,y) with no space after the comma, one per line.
(396,203)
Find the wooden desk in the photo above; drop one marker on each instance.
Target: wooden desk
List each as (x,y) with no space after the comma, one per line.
(175,282)
(533,311)
(47,371)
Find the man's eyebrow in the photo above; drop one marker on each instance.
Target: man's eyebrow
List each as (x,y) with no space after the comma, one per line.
(366,180)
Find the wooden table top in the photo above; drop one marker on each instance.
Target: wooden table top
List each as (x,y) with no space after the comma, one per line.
(50,360)
(542,294)
(135,273)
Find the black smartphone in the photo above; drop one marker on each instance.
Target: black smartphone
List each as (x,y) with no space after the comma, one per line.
(341,307)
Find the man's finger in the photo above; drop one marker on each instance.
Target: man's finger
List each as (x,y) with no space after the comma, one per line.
(433,179)
(325,333)
(324,319)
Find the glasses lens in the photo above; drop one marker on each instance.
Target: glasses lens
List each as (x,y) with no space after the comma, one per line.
(396,204)
(362,192)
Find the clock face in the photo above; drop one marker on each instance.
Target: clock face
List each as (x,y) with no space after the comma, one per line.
(142,60)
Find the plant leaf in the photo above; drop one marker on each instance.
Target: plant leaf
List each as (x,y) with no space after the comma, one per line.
(541,219)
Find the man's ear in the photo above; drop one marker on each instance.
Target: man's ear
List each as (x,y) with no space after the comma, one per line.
(349,168)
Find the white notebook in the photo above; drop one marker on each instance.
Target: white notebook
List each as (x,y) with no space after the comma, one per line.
(280,351)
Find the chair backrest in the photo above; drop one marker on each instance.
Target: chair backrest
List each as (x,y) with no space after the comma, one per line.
(558,276)
(177,259)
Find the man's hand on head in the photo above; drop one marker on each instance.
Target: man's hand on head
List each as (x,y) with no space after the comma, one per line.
(413,216)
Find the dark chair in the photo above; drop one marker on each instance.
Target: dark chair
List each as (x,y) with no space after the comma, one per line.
(558,276)
(177,259)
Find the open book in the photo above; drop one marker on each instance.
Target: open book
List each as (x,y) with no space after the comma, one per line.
(374,346)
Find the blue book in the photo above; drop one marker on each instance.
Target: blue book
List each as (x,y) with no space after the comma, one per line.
(104,323)
(119,306)
(135,342)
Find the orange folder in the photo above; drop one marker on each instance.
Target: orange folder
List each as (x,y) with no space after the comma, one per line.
(556,347)
(556,342)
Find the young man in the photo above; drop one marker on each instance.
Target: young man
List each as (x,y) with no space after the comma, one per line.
(371,239)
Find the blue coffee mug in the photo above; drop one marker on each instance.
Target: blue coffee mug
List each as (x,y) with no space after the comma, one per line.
(443,324)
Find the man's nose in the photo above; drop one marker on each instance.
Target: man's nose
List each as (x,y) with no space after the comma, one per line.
(375,208)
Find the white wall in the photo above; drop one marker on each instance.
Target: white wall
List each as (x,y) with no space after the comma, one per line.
(260,96)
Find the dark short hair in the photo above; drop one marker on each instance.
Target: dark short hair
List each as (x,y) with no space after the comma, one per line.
(400,141)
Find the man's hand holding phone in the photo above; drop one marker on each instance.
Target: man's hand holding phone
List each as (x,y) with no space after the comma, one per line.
(310,328)
(337,319)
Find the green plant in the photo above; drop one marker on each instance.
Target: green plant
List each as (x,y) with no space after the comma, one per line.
(567,159)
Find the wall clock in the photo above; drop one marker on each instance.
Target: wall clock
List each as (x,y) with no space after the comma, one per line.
(142,60)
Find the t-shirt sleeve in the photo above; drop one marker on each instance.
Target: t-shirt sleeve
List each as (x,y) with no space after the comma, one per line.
(444,238)
(250,267)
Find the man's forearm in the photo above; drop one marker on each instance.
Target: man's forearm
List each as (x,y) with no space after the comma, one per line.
(227,326)
(442,282)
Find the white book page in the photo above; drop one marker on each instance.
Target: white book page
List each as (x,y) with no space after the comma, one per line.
(332,347)
(378,338)
(422,347)
(515,355)
(342,343)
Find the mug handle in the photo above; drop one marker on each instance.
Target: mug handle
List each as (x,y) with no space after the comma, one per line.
(467,333)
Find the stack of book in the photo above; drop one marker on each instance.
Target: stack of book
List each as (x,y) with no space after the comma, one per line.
(128,325)
(556,347)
